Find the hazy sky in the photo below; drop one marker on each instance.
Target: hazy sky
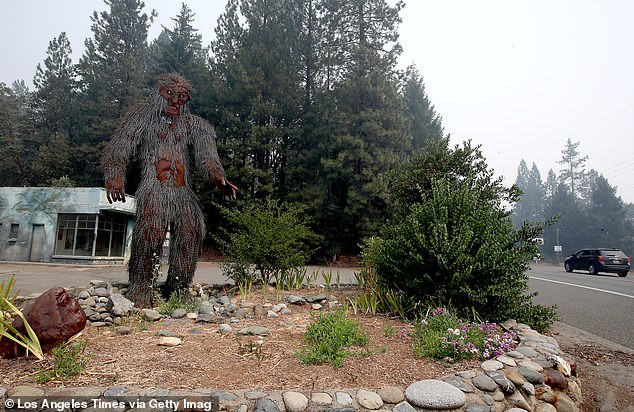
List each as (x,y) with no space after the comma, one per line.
(518,77)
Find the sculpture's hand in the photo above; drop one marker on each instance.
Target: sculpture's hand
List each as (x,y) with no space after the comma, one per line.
(114,190)
(227,188)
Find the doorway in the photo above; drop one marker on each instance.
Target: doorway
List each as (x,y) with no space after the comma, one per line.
(38,241)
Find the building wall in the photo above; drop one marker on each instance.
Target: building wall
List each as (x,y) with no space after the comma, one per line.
(36,209)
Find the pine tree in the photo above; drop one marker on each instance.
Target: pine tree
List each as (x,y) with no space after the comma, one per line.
(422,120)
(16,148)
(573,172)
(531,204)
(113,74)
(54,112)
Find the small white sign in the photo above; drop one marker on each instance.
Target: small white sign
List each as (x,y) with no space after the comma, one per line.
(557,248)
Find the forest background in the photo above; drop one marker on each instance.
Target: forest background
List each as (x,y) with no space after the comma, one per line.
(309,107)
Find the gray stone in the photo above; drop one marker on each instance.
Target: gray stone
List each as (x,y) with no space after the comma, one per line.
(25,392)
(295,401)
(565,404)
(178,313)
(98,324)
(206,308)
(295,300)
(488,399)
(321,398)
(545,407)
(266,405)
(467,374)
(169,341)
(525,363)
(225,328)
(507,360)
(434,394)
(404,407)
(123,330)
(478,407)
(195,331)
(83,294)
(90,301)
(391,394)
(526,351)
(315,298)
(231,308)
(208,318)
(254,330)
(102,292)
(532,375)
(368,399)
(119,305)
(459,383)
(224,396)
(517,400)
(491,365)
(225,300)
(344,398)
(151,315)
(251,395)
(484,383)
(165,333)
(502,381)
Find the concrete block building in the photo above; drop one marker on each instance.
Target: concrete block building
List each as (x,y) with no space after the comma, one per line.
(68,225)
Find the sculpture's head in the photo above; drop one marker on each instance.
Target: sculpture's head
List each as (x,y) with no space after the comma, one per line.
(174,93)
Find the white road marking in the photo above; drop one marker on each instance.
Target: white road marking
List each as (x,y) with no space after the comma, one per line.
(583,287)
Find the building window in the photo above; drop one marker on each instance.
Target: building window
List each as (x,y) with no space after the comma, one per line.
(91,235)
(13,233)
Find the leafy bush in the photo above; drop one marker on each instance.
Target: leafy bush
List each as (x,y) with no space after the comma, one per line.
(328,336)
(442,335)
(457,244)
(267,240)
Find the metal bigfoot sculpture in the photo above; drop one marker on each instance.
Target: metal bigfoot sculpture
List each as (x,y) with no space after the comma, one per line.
(167,141)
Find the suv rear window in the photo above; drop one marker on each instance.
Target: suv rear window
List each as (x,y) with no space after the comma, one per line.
(613,253)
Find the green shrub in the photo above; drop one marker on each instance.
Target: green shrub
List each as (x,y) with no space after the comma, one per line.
(458,245)
(266,241)
(328,337)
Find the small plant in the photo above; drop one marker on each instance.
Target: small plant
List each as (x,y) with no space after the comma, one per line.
(8,311)
(388,330)
(443,336)
(69,360)
(5,295)
(180,299)
(327,279)
(252,347)
(328,338)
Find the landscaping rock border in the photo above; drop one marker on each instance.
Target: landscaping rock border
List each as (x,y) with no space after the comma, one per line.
(535,377)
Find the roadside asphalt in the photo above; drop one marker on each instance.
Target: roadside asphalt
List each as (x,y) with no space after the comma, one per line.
(33,277)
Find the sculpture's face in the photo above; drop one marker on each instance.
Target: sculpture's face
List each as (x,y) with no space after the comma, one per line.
(176,96)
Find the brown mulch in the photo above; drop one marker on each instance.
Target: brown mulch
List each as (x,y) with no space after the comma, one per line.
(208,359)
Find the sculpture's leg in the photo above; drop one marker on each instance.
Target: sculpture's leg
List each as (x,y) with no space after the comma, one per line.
(186,234)
(147,245)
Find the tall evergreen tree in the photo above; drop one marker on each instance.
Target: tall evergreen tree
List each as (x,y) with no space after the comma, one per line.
(608,225)
(179,49)
(16,132)
(531,204)
(113,75)
(422,120)
(54,112)
(573,172)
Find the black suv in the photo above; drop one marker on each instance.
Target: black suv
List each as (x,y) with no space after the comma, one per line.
(599,260)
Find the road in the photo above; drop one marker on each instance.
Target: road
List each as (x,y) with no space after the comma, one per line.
(602,304)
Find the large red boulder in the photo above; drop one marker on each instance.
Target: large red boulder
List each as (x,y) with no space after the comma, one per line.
(55,317)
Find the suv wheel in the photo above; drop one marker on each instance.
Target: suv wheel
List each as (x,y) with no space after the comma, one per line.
(622,274)
(592,269)
(567,267)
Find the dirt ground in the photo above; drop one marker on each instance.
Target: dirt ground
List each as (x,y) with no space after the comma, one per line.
(207,358)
